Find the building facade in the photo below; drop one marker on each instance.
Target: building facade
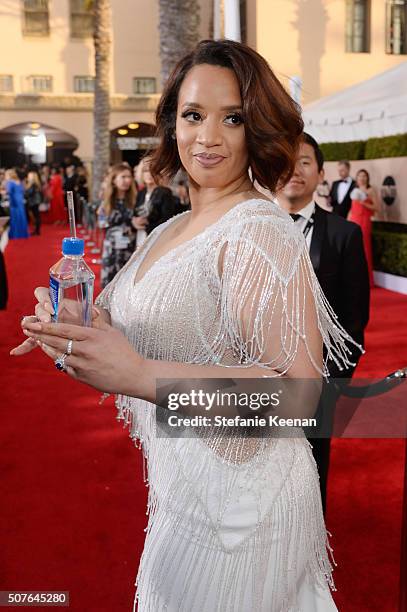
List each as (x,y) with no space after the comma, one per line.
(47,70)
(316,47)
(327,45)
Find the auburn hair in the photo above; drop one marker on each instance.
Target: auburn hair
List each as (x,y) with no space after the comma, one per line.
(272,120)
(110,195)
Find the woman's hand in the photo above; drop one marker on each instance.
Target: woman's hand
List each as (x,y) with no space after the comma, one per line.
(43,313)
(139,223)
(101,356)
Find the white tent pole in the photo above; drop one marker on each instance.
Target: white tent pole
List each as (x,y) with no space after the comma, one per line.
(232,20)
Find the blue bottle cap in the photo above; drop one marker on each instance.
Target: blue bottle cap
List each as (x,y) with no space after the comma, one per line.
(73,246)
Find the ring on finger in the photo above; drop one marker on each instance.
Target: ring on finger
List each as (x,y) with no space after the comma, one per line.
(69,347)
(60,362)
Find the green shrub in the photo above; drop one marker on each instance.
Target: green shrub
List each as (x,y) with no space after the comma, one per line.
(374,148)
(389,146)
(335,151)
(390,248)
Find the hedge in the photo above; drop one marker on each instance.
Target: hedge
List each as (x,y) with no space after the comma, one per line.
(335,151)
(374,148)
(389,241)
(389,146)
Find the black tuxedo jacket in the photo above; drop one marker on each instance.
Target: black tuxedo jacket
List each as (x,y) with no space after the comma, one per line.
(339,261)
(162,206)
(343,208)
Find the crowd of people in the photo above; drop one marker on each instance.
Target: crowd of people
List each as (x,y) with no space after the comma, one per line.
(357,201)
(32,194)
(35,193)
(131,204)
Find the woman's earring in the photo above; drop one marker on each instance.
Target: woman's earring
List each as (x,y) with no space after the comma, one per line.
(174,136)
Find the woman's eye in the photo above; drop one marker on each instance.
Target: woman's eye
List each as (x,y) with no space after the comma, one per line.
(191,116)
(234,119)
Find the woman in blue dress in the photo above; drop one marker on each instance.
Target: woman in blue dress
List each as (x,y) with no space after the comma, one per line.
(18,217)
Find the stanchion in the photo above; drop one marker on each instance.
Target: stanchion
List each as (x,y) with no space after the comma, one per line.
(89,238)
(93,234)
(84,224)
(101,225)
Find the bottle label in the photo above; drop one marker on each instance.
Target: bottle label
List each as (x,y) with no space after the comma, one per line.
(54,293)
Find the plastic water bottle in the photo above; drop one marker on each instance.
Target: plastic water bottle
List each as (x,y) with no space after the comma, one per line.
(71,283)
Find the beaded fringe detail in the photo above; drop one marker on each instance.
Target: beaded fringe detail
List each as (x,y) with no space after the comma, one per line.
(255,568)
(234,524)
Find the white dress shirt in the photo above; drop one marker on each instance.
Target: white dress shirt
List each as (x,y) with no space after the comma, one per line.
(305,215)
(343,189)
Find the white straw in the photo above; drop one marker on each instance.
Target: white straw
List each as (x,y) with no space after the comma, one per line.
(71,213)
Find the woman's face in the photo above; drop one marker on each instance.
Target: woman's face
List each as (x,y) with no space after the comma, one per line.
(209,128)
(148,177)
(361,179)
(122,181)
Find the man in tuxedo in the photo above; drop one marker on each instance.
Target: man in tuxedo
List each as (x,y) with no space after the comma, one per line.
(338,258)
(340,199)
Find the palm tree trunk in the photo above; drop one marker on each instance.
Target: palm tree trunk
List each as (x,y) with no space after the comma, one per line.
(179,32)
(101,133)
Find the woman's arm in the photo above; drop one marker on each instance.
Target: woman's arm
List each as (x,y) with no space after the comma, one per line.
(103,358)
(273,318)
(374,206)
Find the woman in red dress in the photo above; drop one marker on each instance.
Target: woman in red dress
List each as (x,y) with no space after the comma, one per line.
(364,204)
(57,213)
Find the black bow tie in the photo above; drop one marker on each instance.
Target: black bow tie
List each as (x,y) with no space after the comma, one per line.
(344,181)
(295,216)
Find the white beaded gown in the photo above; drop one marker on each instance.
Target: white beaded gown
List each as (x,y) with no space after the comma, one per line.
(235,525)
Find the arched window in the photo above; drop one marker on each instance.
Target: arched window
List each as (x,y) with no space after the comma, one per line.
(35,18)
(396,34)
(357,26)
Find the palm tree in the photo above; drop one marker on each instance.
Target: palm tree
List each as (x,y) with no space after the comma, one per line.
(179,31)
(101,133)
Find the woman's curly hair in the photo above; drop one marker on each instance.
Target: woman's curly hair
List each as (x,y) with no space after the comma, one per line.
(272,120)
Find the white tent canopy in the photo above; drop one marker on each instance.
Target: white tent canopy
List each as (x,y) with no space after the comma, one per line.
(376,107)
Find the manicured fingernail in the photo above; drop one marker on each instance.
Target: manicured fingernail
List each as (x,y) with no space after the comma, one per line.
(34,326)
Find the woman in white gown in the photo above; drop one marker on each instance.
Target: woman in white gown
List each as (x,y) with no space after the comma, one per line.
(226,290)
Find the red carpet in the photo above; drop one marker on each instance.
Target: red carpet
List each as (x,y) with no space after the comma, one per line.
(366,481)
(72,507)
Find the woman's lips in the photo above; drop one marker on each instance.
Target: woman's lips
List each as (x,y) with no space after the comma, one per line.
(209,162)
